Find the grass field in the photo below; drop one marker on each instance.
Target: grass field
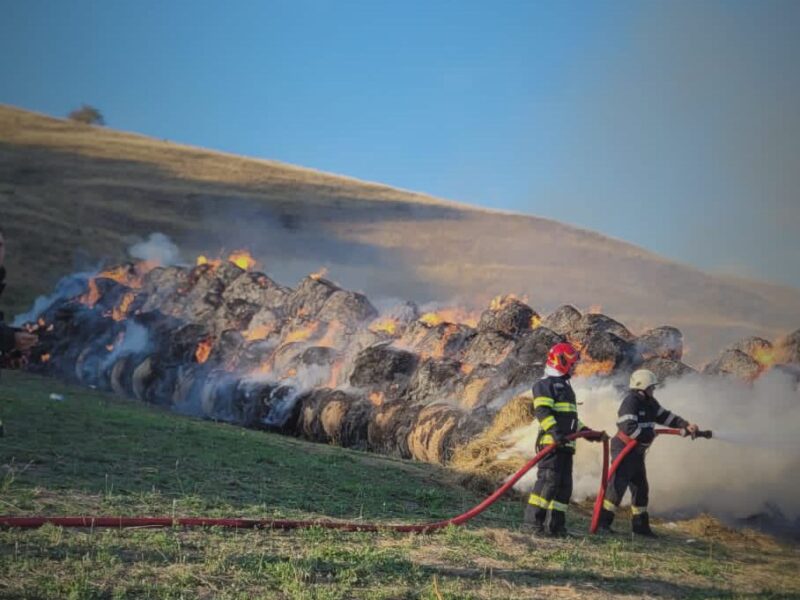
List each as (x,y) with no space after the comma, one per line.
(95,454)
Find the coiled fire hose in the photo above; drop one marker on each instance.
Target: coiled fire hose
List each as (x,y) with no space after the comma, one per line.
(606,479)
(122,522)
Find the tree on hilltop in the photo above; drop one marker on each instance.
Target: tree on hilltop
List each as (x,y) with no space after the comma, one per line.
(88,115)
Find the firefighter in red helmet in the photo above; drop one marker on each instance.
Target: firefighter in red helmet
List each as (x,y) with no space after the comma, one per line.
(557,412)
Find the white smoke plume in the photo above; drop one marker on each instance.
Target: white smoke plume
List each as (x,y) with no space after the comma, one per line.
(751,464)
(157,248)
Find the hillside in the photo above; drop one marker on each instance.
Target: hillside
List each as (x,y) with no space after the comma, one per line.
(93,453)
(71,195)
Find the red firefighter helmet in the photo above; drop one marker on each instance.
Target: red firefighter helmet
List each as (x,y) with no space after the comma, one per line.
(562,357)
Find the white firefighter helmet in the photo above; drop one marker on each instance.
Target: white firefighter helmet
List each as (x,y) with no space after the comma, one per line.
(643,379)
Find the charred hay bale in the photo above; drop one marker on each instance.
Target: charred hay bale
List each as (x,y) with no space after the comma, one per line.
(789,347)
(736,363)
(665,368)
(563,319)
(437,430)
(217,395)
(434,380)
(485,459)
(347,308)
(534,346)
(319,356)
(394,321)
(382,364)
(490,347)
(152,381)
(121,374)
(444,339)
(510,317)
(226,348)
(183,342)
(594,323)
(286,356)
(255,354)
(110,292)
(251,402)
(309,297)
(189,382)
(257,289)
(163,287)
(235,314)
(334,416)
(482,386)
(608,352)
(661,342)
(265,323)
(206,285)
(389,427)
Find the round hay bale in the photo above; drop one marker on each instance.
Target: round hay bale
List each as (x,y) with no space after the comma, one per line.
(789,347)
(563,320)
(736,363)
(490,347)
(309,297)
(347,308)
(534,346)
(434,380)
(381,364)
(661,342)
(509,317)
(665,368)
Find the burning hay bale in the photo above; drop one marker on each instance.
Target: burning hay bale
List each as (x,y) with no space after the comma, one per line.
(490,347)
(605,352)
(309,297)
(436,379)
(382,364)
(508,316)
(591,324)
(734,362)
(334,416)
(661,342)
(563,320)
(665,368)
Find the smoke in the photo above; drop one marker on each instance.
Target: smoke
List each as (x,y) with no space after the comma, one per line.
(67,287)
(134,339)
(157,248)
(751,464)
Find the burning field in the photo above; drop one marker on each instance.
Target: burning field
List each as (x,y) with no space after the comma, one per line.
(223,341)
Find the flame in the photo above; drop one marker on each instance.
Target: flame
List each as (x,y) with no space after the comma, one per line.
(503,300)
(45,358)
(767,357)
(376,398)
(467,368)
(536,321)
(451,315)
(110,347)
(259,332)
(319,274)
(204,260)
(595,309)
(243,259)
(386,325)
(121,311)
(290,373)
(203,350)
(302,334)
(588,368)
(131,276)
(91,297)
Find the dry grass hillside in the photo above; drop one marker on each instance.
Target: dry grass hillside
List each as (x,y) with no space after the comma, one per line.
(71,194)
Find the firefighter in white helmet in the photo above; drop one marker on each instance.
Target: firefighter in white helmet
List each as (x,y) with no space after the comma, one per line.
(638,414)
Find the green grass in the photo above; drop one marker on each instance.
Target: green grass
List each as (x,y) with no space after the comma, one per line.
(95,454)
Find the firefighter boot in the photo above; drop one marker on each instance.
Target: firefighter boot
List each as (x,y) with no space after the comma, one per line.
(640,524)
(557,525)
(534,519)
(606,519)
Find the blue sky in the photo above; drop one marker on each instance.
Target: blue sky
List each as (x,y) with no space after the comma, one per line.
(674,125)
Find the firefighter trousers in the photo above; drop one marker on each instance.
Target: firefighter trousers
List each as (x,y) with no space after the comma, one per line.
(631,474)
(547,504)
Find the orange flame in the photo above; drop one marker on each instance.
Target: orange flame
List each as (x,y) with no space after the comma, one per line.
(243,259)
(503,300)
(588,368)
(595,309)
(259,332)
(319,274)
(768,357)
(376,398)
(203,350)
(131,276)
(121,311)
(451,315)
(302,334)
(91,297)
(45,358)
(336,370)
(386,325)
(467,368)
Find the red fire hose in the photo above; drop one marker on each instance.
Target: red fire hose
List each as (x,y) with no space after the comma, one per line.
(121,522)
(606,479)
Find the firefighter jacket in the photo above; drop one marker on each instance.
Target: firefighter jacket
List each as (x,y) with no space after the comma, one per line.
(639,414)
(6,333)
(555,409)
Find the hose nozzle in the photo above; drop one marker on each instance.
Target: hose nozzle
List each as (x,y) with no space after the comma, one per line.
(704,434)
